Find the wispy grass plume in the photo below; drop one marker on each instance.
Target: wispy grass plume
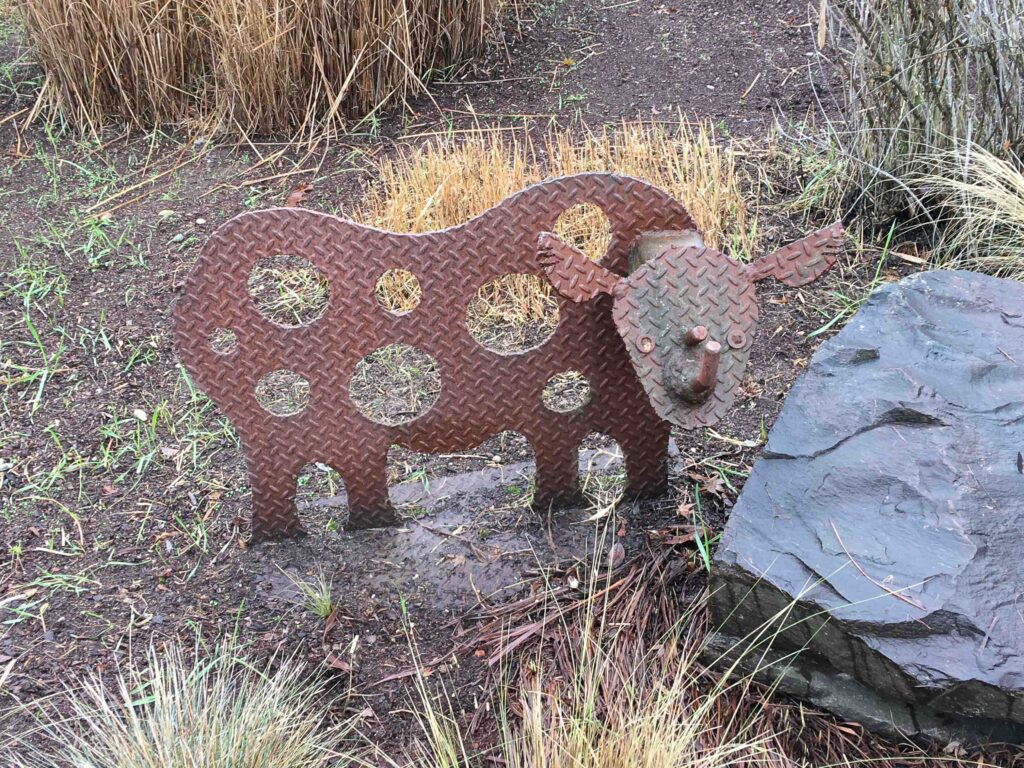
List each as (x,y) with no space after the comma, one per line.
(983,197)
(216,709)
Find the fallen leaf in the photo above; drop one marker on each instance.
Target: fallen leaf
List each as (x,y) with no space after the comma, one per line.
(335,662)
(298,194)
(616,555)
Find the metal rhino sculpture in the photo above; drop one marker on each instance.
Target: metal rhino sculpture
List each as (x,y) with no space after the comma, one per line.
(661,328)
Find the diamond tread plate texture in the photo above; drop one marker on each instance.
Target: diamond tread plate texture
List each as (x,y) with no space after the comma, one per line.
(574,276)
(482,392)
(679,289)
(804,261)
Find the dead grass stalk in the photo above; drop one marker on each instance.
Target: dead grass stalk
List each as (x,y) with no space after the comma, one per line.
(252,67)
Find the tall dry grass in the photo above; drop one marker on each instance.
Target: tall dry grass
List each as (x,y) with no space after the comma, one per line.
(249,66)
(447,182)
(983,211)
(613,673)
(924,76)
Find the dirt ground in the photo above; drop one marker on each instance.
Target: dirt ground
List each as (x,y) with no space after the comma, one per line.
(124,496)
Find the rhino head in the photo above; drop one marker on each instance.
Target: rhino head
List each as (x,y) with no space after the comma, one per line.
(687,313)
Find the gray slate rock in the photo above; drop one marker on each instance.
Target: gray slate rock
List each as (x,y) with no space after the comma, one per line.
(880,535)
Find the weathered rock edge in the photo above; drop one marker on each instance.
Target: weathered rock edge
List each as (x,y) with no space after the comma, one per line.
(881,533)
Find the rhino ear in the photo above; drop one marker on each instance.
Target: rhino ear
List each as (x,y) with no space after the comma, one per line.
(803,261)
(574,276)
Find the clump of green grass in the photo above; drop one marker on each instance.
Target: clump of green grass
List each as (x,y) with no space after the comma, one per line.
(216,708)
(315,593)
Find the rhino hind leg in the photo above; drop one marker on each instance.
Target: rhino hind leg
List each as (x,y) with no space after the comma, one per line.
(273,496)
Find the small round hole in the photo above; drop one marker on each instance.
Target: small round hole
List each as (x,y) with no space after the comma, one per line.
(224,341)
(288,290)
(282,393)
(395,384)
(587,227)
(566,392)
(513,314)
(398,291)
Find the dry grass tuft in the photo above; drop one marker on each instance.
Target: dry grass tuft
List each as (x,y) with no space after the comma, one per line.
(925,76)
(445,183)
(218,710)
(250,66)
(609,674)
(983,196)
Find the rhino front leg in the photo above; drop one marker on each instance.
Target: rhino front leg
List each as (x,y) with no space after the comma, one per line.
(646,460)
(367,487)
(557,479)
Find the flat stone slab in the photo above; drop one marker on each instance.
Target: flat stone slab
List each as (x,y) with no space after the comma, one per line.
(880,535)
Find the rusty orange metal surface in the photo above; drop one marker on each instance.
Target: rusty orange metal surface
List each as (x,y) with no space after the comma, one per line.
(482,392)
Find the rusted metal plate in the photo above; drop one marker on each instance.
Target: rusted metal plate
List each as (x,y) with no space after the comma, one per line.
(669,296)
(805,260)
(573,275)
(482,392)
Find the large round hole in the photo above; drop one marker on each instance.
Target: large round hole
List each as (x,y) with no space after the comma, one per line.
(513,314)
(282,393)
(398,291)
(288,290)
(587,227)
(395,384)
(224,341)
(566,392)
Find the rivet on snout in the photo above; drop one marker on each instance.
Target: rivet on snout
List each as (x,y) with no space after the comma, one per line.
(736,338)
(645,344)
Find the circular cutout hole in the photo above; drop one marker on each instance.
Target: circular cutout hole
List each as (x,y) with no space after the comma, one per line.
(398,291)
(566,392)
(288,290)
(282,393)
(512,314)
(224,341)
(587,227)
(395,384)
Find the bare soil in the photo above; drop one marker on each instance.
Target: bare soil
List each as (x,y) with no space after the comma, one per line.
(124,495)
